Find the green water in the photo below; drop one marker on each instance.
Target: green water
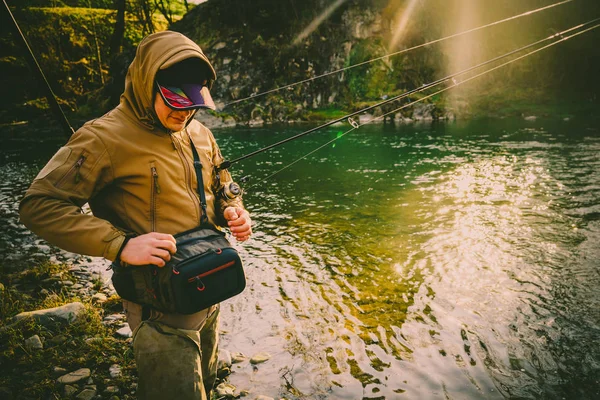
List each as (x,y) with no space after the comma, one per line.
(455,261)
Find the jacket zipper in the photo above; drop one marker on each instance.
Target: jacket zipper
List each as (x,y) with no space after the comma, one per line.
(75,168)
(155,191)
(212,271)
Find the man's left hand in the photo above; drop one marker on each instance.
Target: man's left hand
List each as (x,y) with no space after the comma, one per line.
(239,223)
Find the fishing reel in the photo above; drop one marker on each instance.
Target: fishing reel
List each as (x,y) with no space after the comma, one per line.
(231,191)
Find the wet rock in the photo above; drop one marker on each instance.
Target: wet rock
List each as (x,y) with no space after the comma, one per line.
(115,371)
(67,313)
(224,359)
(75,376)
(423,112)
(256,122)
(34,343)
(225,390)
(125,332)
(86,394)
(365,118)
(69,390)
(237,357)
(259,358)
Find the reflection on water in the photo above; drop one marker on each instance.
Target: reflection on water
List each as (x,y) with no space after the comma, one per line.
(455,261)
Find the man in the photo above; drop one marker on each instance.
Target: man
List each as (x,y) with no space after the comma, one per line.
(134,166)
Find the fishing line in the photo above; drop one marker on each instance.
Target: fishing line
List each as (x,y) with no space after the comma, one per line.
(226,164)
(398,52)
(50,96)
(454,84)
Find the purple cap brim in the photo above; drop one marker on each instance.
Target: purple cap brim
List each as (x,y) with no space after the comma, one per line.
(188,96)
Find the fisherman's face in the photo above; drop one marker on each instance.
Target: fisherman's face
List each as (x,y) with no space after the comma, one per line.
(169,118)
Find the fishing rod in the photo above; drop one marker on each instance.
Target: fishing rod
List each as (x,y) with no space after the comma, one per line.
(527,13)
(50,96)
(454,84)
(226,164)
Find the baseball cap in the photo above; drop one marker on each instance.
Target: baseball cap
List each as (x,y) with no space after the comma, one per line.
(186,85)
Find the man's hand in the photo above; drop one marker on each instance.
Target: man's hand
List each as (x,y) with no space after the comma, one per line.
(151,248)
(239,222)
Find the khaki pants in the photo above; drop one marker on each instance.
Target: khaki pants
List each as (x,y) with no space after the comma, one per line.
(176,363)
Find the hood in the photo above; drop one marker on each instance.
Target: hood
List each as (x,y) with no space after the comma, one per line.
(155,52)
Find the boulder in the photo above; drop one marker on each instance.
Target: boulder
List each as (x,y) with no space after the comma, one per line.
(67,313)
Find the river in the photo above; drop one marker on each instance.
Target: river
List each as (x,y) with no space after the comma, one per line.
(439,261)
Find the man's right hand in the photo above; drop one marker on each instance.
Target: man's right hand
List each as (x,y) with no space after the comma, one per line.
(151,248)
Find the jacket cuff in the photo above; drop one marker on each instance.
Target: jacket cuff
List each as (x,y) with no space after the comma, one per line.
(113,248)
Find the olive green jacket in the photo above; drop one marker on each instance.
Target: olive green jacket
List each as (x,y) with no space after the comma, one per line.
(137,176)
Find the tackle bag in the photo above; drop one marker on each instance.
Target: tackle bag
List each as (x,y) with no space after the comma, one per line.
(204,271)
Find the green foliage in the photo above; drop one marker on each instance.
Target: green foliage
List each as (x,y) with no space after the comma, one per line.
(86,343)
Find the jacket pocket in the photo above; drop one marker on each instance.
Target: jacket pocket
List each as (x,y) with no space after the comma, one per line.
(60,158)
(73,174)
(154,192)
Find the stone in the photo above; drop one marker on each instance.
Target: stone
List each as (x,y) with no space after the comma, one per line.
(67,283)
(259,358)
(75,376)
(225,390)
(67,313)
(237,357)
(114,317)
(111,390)
(99,298)
(34,343)
(86,394)
(530,118)
(125,332)
(219,46)
(224,359)
(365,118)
(115,371)
(69,390)
(58,371)
(58,339)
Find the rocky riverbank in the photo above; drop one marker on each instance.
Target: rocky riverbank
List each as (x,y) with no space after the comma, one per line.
(64,335)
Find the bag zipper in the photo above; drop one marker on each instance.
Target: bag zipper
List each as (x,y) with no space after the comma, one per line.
(77,168)
(212,271)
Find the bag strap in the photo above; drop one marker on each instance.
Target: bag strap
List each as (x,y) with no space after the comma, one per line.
(200,182)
